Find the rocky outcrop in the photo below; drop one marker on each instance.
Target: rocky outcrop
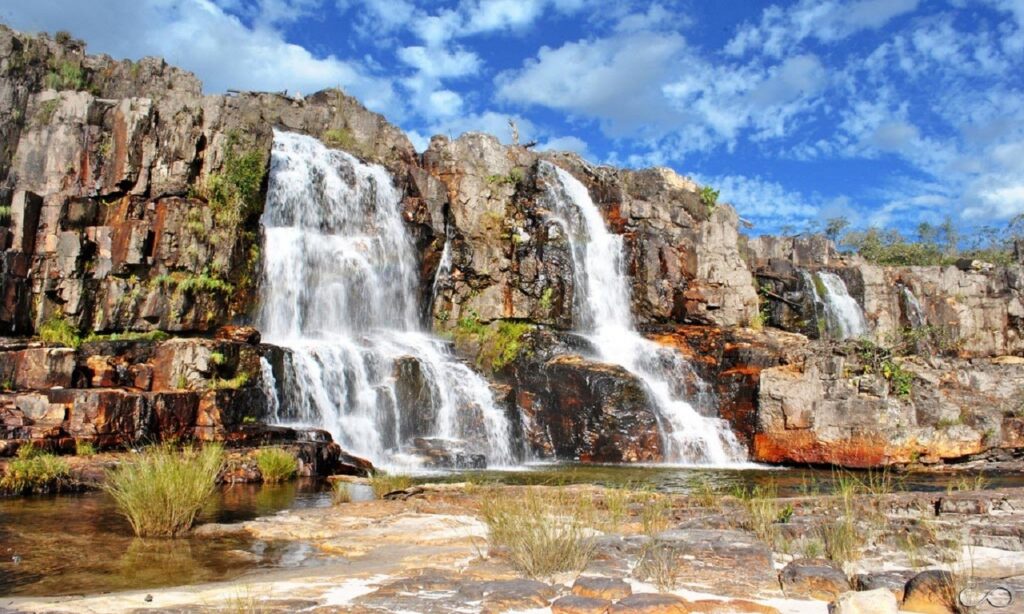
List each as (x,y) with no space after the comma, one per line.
(841,405)
(510,260)
(134,199)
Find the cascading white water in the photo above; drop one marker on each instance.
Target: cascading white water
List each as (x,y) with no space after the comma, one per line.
(915,312)
(844,318)
(604,316)
(339,291)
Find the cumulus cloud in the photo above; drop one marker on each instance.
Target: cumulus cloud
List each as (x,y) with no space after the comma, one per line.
(780,29)
(763,201)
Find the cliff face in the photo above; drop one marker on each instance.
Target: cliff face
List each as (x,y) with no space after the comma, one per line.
(134,204)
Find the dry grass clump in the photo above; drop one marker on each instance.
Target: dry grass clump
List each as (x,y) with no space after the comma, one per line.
(276,465)
(540,533)
(162,491)
(383,483)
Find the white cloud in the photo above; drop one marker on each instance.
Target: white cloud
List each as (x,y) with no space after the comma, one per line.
(565,143)
(615,80)
(759,199)
(781,29)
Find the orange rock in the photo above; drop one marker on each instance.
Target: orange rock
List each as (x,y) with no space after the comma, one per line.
(651,603)
(575,604)
(601,588)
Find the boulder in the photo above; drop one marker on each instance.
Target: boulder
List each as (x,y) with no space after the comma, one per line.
(930,592)
(651,603)
(575,604)
(813,579)
(610,589)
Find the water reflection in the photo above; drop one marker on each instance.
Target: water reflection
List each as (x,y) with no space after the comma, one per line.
(76,544)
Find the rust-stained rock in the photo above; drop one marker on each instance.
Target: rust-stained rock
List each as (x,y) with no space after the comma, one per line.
(930,592)
(575,604)
(610,589)
(814,579)
(651,603)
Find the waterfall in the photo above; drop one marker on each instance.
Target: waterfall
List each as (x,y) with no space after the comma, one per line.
(912,308)
(340,292)
(603,314)
(844,318)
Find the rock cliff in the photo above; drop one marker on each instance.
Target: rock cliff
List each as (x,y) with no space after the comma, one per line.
(130,235)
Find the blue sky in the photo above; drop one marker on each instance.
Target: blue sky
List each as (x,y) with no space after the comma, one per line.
(890,112)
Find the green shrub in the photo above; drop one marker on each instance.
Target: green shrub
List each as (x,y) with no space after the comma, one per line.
(276,465)
(540,535)
(162,491)
(383,483)
(34,471)
(58,330)
(155,336)
(234,192)
(709,197)
(191,283)
(236,382)
(339,138)
(65,75)
(500,343)
(85,448)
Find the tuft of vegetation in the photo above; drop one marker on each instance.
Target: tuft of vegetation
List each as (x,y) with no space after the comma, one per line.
(658,565)
(500,344)
(340,493)
(709,198)
(340,138)
(65,75)
(541,533)
(383,483)
(46,110)
(154,336)
(162,491)
(58,330)
(276,465)
(84,448)
(34,471)
(191,284)
(547,299)
(234,383)
(514,178)
(762,512)
(234,193)
(5,215)
(876,359)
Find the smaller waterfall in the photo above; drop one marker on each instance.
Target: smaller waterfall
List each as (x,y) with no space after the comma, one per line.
(912,308)
(603,314)
(844,318)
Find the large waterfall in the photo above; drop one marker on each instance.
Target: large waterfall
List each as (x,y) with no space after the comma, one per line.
(604,316)
(340,292)
(844,318)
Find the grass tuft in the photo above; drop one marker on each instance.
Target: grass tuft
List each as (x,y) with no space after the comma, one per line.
(33,471)
(383,483)
(540,535)
(85,448)
(162,491)
(58,330)
(276,465)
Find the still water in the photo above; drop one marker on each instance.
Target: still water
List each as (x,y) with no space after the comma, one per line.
(79,543)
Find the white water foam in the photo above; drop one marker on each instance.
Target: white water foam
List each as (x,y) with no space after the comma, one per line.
(604,316)
(340,292)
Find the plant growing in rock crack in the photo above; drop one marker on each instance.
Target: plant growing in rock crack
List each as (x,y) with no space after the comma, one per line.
(276,465)
(540,535)
(709,198)
(762,512)
(162,490)
(657,565)
(59,330)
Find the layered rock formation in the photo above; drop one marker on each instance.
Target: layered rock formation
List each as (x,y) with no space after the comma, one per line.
(132,204)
